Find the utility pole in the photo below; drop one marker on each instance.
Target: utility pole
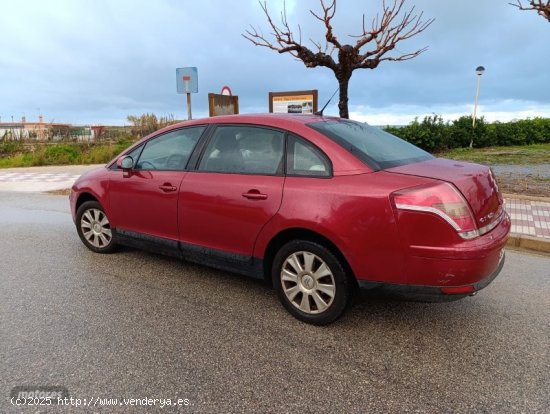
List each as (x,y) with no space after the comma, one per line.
(479,72)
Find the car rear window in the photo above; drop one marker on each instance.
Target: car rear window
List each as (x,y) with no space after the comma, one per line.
(377,148)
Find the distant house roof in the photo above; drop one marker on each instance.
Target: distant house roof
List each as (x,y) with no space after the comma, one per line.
(30,125)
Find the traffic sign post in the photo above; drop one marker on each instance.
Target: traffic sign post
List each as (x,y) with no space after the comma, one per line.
(187,82)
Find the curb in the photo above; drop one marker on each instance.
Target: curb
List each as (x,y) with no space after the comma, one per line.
(524,242)
(525,197)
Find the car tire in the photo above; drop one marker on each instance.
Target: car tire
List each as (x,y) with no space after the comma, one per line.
(310,282)
(94,228)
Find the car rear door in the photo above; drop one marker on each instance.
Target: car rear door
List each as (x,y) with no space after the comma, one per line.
(235,190)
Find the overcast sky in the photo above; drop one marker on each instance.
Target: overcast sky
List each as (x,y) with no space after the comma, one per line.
(95,62)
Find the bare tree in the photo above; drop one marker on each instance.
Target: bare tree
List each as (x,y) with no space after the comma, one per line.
(372,46)
(542,7)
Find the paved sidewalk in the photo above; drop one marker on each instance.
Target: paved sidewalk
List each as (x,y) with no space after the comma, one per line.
(530,216)
(37,179)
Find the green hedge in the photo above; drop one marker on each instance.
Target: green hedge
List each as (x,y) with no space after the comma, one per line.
(432,134)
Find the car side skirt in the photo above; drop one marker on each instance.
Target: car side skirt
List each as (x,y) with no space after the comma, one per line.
(218,259)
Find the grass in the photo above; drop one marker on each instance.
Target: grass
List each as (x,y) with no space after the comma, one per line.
(521,155)
(72,153)
(526,184)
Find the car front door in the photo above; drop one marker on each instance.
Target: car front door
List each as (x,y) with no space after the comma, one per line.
(145,201)
(235,190)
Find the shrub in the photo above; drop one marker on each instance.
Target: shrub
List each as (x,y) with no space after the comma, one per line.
(60,154)
(428,134)
(432,134)
(10,147)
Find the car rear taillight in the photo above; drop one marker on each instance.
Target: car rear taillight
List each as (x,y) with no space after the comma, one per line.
(442,199)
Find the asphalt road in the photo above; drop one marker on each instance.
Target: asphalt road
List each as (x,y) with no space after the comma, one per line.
(137,325)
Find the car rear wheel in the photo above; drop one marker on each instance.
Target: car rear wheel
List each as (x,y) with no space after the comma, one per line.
(310,282)
(94,228)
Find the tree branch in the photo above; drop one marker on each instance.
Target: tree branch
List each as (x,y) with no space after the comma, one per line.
(285,42)
(387,31)
(540,6)
(328,14)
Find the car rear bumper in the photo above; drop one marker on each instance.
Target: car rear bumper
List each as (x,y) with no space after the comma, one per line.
(461,264)
(433,293)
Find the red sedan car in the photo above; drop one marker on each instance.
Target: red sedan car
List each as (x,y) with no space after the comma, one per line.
(319,206)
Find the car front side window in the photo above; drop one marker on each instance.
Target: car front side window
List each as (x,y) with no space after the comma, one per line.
(169,152)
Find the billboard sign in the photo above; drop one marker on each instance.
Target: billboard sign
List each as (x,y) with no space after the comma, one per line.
(219,104)
(293,102)
(187,80)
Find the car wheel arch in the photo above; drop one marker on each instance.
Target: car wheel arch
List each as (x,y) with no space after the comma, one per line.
(83,197)
(297,233)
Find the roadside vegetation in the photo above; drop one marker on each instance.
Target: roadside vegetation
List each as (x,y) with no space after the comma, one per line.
(67,150)
(24,154)
(434,135)
(523,142)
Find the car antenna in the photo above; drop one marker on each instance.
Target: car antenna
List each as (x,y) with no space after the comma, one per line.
(320,113)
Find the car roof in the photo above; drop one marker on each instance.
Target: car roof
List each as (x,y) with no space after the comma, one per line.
(274,120)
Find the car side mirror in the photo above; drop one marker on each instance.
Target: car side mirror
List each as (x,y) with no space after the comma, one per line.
(126,163)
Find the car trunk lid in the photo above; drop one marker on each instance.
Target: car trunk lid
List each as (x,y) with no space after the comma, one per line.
(474,181)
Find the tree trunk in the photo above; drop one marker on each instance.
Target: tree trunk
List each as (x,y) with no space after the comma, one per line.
(343,102)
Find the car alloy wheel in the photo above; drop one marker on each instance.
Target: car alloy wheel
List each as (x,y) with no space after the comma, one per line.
(311,282)
(308,282)
(94,228)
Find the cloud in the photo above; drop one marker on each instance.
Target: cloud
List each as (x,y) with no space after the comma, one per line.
(97,62)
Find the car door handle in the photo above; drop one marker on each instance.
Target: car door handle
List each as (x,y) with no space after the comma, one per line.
(255,195)
(167,187)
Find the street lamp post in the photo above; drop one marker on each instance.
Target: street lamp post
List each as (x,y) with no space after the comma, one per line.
(479,72)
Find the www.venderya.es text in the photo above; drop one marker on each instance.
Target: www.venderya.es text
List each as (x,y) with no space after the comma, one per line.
(40,401)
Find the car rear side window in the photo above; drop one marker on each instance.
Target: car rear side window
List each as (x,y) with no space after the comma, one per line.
(304,159)
(244,150)
(169,151)
(377,148)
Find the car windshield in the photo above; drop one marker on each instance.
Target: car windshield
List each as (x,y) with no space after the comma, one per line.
(377,148)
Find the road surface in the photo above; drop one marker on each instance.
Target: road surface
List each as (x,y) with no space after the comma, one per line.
(138,325)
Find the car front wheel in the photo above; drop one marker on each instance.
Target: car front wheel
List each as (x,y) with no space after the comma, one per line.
(94,228)
(310,282)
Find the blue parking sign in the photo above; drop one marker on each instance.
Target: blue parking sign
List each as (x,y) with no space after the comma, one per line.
(187,80)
